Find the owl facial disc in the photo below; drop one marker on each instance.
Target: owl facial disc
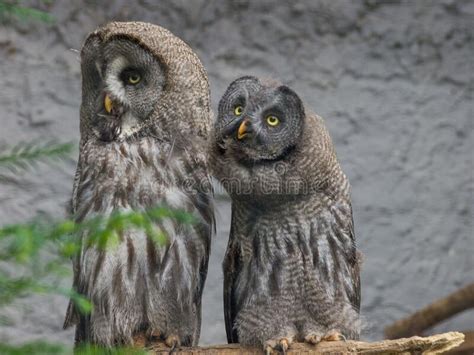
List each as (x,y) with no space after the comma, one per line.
(258,121)
(125,82)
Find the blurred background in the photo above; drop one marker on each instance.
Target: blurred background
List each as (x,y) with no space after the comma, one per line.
(393,79)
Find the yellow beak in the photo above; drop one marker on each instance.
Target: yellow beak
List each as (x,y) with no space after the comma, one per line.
(242,132)
(108,103)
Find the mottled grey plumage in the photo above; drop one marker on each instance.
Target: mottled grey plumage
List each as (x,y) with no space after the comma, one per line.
(291,268)
(145,116)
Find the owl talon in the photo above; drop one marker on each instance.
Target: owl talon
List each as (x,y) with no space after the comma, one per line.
(333,335)
(155,334)
(139,340)
(282,344)
(317,337)
(172,342)
(313,338)
(268,350)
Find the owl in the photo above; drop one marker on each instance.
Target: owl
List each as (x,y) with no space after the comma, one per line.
(144,121)
(291,269)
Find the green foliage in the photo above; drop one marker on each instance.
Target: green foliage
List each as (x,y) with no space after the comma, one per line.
(94,350)
(13,10)
(40,249)
(24,155)
(43,348)
(27,244)
(36,348)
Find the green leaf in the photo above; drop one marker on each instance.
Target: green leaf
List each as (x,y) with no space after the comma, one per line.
(69,249)
(33,348)
(12,288)
(83,304)
(24,155)
(95,350)
(157,236)
(9,9)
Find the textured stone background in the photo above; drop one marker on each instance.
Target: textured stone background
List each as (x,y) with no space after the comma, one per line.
(394,80)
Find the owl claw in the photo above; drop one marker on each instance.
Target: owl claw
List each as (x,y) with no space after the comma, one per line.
(333,335)
(317,337)
(173,342)
(313,338)
(155,334)
(139,340)
(172,350)
(268,350)
(282,344)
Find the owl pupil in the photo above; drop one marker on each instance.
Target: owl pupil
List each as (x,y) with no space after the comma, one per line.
(238,110)
(134,78)
(273,121)
(131,76)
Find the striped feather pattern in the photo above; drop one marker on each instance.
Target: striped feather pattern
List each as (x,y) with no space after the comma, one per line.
(138,285)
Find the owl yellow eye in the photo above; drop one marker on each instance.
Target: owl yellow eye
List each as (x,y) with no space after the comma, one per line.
(134,79)
(238,110)
(273,121)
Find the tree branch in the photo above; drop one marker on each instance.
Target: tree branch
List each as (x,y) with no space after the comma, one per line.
(435,344)
(466,348)
(432,314)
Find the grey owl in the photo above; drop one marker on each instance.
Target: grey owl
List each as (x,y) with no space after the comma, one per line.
(144,121)
(291,269)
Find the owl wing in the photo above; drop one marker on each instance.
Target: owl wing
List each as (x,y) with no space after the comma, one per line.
(231,271)
(72,316)
(333,247)
(202,201)
(345,255)
(353,293)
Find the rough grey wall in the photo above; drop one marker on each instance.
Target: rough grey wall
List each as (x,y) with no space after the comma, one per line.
(394,80)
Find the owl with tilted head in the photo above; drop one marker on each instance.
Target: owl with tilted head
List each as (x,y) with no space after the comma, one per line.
(144,122)
(291,270)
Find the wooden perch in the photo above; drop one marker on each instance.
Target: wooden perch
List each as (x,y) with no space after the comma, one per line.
(435,344)
(466,348)
(436,312)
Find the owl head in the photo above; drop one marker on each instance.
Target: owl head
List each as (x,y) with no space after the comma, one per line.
(259,120)
(139,79)
(266,143)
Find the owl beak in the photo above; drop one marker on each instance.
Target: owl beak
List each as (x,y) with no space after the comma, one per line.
(108,104)
(243,129)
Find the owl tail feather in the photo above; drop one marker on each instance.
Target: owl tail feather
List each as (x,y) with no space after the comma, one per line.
(71,316)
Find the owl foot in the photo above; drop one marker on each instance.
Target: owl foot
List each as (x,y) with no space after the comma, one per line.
(139,340)
(173,342)
(316,337)
(281,344)
(333,335)
(158,339)
(155,335)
